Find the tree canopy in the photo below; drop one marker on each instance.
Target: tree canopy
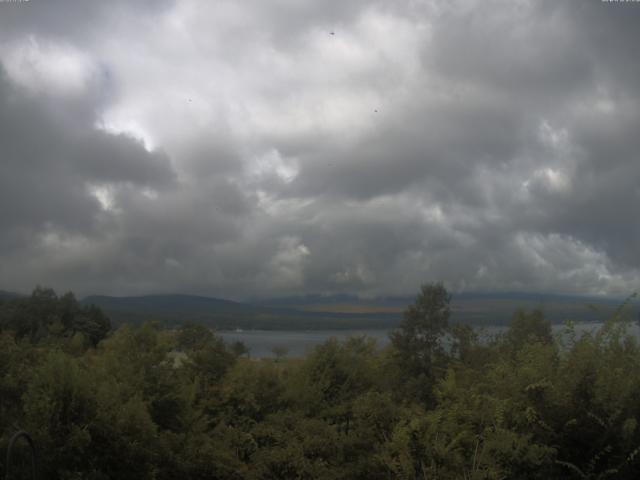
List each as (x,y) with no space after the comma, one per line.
(144,402)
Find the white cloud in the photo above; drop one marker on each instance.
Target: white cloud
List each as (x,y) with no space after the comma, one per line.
(287,265)
(105,196)
(273,164)
(45,66)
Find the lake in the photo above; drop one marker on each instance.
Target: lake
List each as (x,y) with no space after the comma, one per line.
(298,343)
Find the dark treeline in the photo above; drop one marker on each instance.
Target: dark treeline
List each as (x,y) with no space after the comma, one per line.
(145,402)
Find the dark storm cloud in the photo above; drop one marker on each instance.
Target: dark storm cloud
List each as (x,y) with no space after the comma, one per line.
(47,158)
(51,163)
(242,149)
(439,145)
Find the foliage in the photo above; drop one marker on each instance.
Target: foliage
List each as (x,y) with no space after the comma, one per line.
(418,341)
(145,402)
(45,315)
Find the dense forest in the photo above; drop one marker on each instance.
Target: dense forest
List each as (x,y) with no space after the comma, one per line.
(147,402)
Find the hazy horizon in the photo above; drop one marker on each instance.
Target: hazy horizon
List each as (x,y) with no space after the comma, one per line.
(346,296)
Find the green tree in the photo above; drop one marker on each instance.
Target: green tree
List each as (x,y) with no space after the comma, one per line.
(418,340)
(92,323)
(45,317)
(528,327)
(194,336)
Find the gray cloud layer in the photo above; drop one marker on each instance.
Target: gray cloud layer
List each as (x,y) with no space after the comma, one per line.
(241,149)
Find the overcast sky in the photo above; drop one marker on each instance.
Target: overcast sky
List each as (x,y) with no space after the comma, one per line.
(279,147)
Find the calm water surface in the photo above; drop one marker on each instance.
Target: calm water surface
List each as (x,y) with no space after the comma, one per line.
(297,342)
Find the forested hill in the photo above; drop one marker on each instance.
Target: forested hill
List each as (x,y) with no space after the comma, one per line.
(170,305)
(319,312)
(8,295)
(344,311)
(226,314)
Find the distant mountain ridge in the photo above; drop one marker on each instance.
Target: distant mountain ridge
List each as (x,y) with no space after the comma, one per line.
(170,303)
(407,299)
(317,312)
(225,314)
(6,295)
